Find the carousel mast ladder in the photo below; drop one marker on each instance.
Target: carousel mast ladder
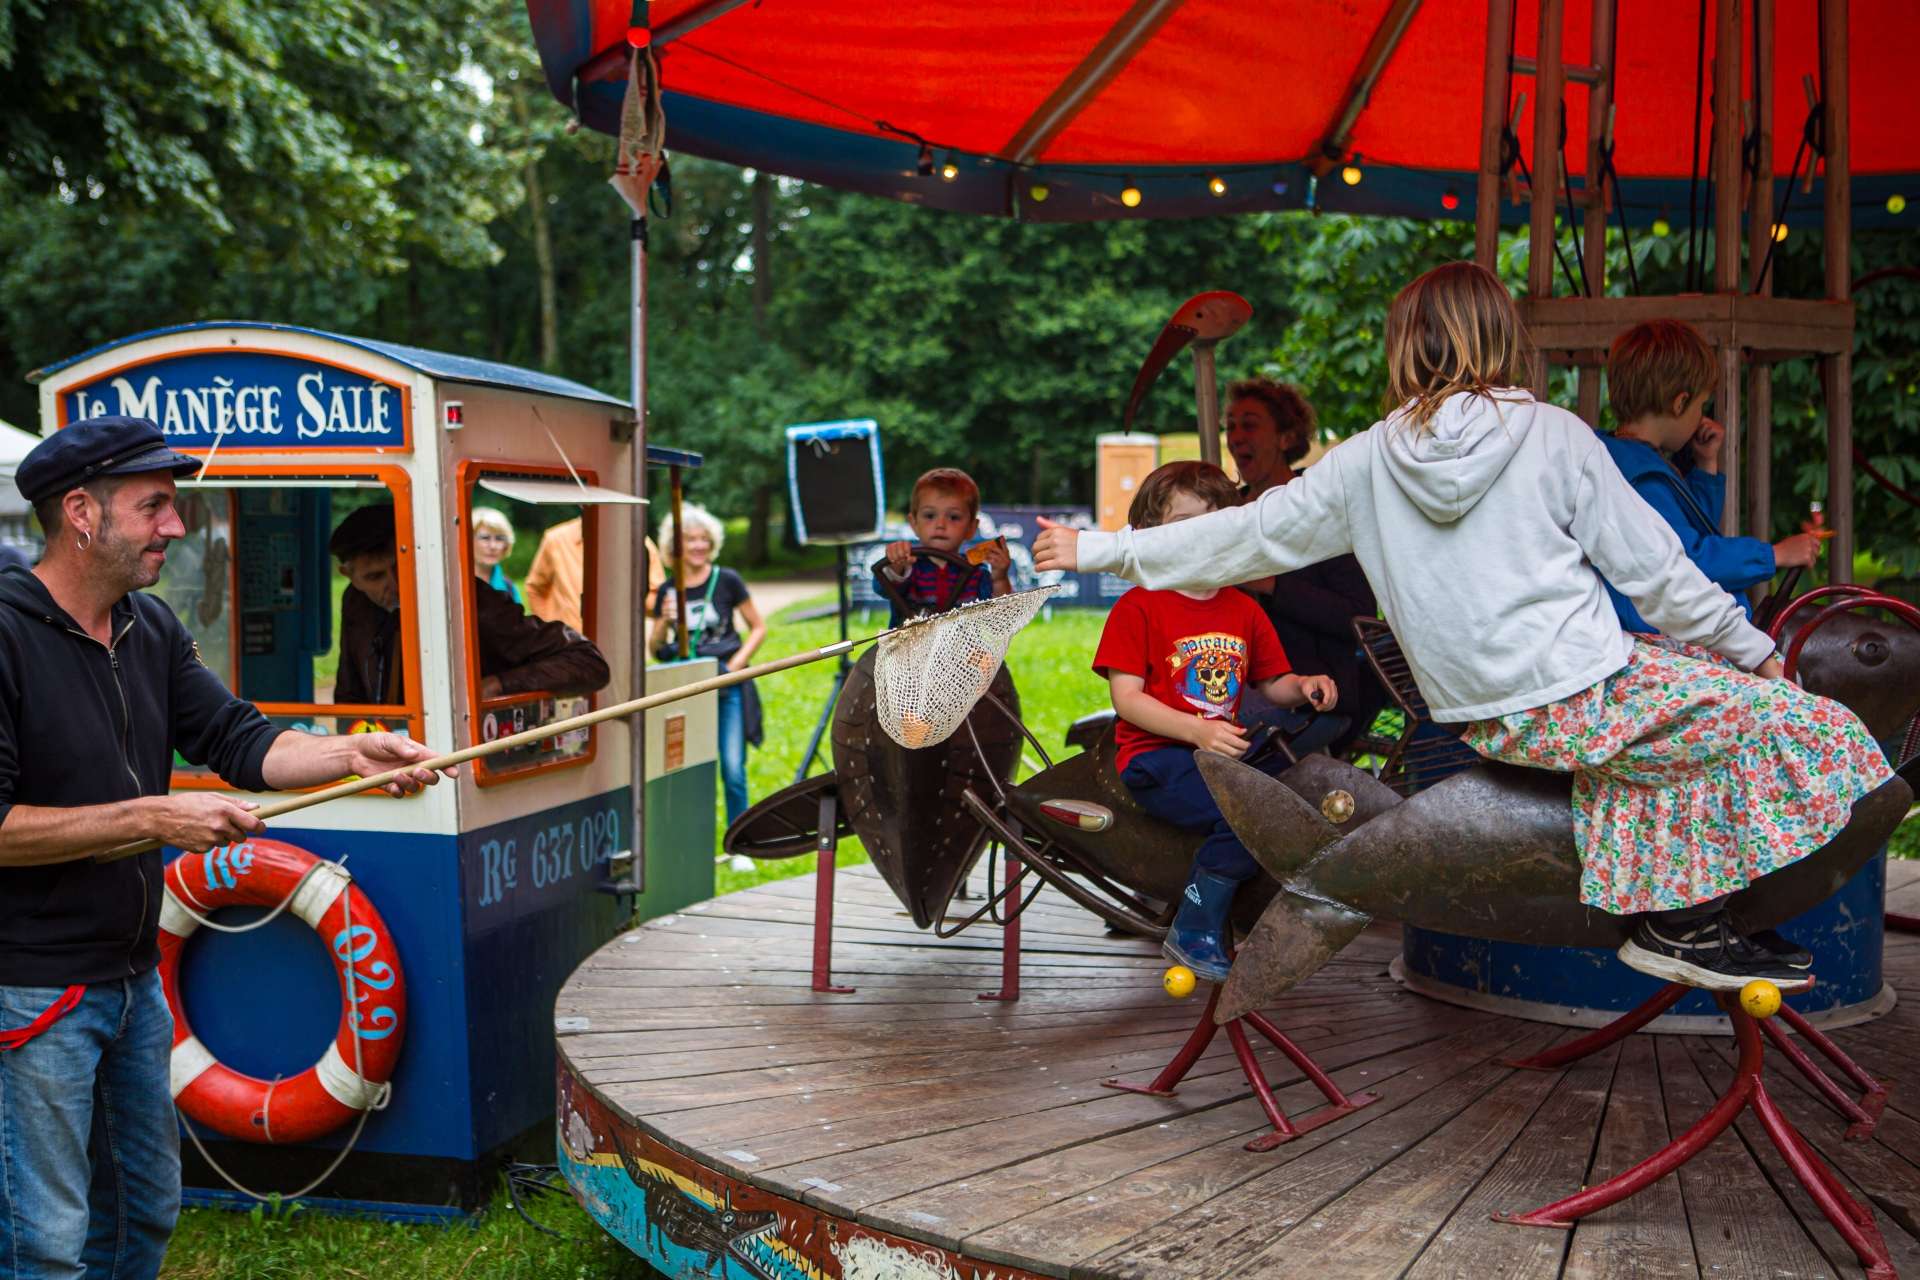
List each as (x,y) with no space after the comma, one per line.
(1750,329)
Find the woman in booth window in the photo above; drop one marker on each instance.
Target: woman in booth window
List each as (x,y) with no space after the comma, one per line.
(714,596)
(492,544)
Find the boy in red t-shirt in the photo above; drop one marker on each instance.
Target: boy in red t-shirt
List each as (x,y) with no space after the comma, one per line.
(1176,663)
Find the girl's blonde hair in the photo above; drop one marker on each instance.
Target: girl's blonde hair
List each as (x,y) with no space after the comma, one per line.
(694,517)
(1453,329)
(495,519)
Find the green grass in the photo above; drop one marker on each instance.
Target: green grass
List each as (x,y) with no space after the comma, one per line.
(1049,661)
(291,1244)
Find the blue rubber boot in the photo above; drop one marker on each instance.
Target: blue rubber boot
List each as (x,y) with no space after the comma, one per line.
(1194,940)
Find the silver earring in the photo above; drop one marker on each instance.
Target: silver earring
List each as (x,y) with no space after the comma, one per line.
(83,545)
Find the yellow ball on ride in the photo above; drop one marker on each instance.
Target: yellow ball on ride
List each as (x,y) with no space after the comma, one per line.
(1179,981)
(1760,998)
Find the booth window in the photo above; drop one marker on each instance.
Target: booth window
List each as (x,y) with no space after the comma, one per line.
(256,587)
(531,550)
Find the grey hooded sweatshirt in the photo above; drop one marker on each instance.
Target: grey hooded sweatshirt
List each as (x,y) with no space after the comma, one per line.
(1485,537)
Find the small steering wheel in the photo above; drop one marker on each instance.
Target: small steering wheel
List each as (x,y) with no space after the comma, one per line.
(908,608)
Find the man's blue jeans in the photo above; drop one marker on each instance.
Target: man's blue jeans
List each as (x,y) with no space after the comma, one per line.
(89,1151)
(731,731)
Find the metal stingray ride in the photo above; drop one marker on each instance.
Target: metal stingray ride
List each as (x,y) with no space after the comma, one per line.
(1424,834)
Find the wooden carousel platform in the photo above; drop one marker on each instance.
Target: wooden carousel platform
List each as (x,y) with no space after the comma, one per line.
(726,1121)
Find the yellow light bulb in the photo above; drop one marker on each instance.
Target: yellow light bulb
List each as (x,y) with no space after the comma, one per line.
(949,171)
(1217,185)
(1130,196)
(1038,193)
(1779,231)
(1351,175)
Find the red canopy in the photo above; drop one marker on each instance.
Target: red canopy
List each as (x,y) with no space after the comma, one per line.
(1085,97)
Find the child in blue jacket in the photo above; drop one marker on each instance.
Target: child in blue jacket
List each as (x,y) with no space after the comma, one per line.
(1660,375)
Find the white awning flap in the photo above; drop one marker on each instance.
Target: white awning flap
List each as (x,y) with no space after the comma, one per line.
(563,492)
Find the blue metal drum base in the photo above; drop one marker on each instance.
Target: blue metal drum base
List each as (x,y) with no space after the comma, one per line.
(1589,987)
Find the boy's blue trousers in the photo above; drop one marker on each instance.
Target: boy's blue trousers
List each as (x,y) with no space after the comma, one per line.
(1167,784)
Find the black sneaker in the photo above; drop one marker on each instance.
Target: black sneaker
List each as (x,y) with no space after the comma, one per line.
(1780,948)
(1704,953)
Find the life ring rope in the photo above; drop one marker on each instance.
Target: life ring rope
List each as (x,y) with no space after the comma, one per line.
(353,1076)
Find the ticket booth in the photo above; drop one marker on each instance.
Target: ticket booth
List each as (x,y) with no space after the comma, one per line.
(493,887)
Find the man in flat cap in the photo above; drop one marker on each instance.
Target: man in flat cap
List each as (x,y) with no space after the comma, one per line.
(519,653)
(100,685)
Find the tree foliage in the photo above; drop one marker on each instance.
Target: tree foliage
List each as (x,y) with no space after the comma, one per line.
(391,168)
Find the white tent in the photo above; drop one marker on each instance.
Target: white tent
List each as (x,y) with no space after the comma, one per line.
(14,444)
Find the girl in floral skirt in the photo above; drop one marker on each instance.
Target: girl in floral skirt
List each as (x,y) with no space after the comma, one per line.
(1484,519)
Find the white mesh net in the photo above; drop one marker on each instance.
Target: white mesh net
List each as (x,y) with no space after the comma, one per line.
(929,673)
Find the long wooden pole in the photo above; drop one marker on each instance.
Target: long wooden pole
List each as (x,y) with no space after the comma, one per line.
(359,786)
(1728,129)
(1493,124)
(1549,88)
(1759,239)
(1838,370)
(1599,118)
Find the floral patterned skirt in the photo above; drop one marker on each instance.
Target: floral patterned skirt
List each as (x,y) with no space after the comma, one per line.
(1691,778)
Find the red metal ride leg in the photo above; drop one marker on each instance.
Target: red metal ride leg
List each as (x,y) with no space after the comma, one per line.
(1863,1114)
(1009,937)
(1746,1077)
(1284,1130)
(1338,1103)
(1853,1220)
(825,851)
(1176,1071)
(1619,1029)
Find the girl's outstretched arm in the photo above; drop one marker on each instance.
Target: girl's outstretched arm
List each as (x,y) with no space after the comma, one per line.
(1288,528)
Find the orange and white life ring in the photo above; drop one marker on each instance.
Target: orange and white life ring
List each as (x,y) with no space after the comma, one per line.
(373,996)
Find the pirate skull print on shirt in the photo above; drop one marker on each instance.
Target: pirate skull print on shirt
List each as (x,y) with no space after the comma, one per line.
(1196,656)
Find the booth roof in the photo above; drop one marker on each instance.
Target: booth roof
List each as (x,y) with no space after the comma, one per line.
(1079,98)
(435,364)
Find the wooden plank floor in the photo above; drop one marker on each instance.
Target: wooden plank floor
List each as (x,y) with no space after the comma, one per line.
(982,1130)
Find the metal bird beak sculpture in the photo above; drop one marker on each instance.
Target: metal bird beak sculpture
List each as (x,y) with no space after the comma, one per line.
(1202,322)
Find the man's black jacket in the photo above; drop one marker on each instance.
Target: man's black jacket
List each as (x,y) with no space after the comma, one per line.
(82,725)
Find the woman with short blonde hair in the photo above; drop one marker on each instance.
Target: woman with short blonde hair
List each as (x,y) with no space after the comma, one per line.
(492,544)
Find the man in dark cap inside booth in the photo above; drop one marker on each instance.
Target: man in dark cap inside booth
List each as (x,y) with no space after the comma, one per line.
(100,685)
(519,653)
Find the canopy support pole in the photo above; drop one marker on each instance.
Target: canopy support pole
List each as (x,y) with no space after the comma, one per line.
(1373,63)
(1728,129)
(1599,122)
(1493,124)
(1837,369)
(1095,72)
(1548,111)
(1759,507)
(637,530)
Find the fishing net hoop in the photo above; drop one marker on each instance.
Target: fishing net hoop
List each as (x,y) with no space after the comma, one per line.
(929,673)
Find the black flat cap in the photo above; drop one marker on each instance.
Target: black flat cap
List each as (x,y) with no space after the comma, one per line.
(84,451)
(365,529)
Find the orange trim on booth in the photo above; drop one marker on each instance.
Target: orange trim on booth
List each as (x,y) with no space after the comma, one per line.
(400,486)
(466,475)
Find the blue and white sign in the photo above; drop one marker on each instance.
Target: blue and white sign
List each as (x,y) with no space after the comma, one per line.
(250,400)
